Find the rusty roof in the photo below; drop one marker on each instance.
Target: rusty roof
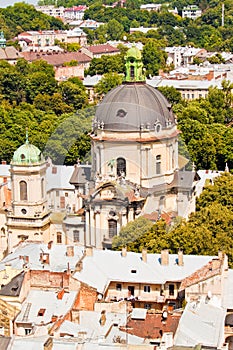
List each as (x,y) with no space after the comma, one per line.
(102,48)
(58,58)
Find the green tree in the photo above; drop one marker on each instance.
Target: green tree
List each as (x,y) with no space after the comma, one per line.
(153,57)
(171,94)
(131,232)
(115,30)
(107,82)
(73,94)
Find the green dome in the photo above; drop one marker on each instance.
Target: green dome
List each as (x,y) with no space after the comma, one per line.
(134,52)
(27,154)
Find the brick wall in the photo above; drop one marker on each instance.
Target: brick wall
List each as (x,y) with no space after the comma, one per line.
(47,279)
(86,298)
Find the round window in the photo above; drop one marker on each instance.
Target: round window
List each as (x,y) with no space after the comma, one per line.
(24,211)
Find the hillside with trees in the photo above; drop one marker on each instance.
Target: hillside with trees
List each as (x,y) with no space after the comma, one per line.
(23,17)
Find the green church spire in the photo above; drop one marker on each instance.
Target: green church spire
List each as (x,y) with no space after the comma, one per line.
(134,65)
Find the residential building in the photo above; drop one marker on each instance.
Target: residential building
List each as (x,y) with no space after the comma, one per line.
(87,23)
(191,11)
(51,10)
(96,51)
(10,54)
(151,7)
(77,35)
(149,281)
(59,62)
(189,89)
(41,38)
(75,12)
(35,317)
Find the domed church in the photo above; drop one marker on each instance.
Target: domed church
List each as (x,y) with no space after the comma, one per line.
(135,162)
(28,218)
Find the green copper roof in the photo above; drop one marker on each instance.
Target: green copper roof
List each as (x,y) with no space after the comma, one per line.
(134,65)
(133,52)
(27,154)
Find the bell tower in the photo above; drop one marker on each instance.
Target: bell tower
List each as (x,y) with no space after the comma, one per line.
(29,217)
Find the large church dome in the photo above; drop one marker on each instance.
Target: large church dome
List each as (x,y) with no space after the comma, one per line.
(134,106)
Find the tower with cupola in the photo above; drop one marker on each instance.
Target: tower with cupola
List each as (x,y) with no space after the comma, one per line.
(29,217)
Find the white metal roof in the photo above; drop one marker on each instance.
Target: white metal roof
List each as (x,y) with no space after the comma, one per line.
(58,259)
(201,323)
(58,177)
(38,299)
(105,266)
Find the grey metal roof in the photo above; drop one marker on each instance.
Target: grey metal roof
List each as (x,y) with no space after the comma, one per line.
(4,342)
(131,105)
(81,174)
(13,288)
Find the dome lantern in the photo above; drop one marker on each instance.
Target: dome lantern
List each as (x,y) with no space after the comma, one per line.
(134,65)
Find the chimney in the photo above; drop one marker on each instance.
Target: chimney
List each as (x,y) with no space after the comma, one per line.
(89,251)
(70,251)
(50,244)
(44,258)
(180,258)
(124,252)
(48,345)
(220,255)
(60,294)
(144,255)
(216,263)
(3,162)
(79,266)
(165,257)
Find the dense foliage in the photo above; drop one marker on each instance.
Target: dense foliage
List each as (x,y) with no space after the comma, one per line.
(31,97)
(22,17)
(207,231)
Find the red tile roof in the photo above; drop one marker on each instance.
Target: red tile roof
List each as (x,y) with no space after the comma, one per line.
(102,48)
(57,59)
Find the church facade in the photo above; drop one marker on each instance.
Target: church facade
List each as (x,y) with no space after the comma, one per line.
(136,170)
(135,162)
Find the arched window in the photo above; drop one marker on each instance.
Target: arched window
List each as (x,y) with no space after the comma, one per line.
(158,164)
(42,188)
(59,237)
(132,75)
(76,236)
(112,228)
(121,167)
(173,159)
(23,190)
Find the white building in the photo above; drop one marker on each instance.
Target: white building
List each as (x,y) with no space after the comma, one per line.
(51,10)
(192,12)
